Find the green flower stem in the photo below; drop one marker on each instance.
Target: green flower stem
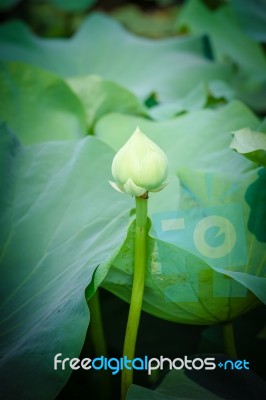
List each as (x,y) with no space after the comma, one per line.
(137,290)
(229,339)
(99,344)
(96,326)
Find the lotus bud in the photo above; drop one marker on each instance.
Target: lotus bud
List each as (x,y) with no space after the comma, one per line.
(140,166)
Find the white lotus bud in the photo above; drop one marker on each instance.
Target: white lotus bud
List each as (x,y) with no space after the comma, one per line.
(140,166)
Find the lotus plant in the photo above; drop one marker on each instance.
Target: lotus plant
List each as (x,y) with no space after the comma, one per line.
(138,168)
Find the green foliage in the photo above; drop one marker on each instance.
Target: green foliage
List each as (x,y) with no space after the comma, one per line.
(175,384)
(38,105)
(103,47)
(251,15)
(156,24)
(66,5)
(251,144)
(213,177)
(198,139)
(73,5)
(59,222)
(230,45)
(211,94)
(100,97)
(197,385)
(179,286)
(41,106)
(66,230)
(7,4)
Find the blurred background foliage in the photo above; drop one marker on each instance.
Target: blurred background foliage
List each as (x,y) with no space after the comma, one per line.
(234,30)
(55,18)
(150,18)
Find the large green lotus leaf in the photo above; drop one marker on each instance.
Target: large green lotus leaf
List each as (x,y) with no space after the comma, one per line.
(256,199)
(188,278)
(262,126)
(213,186)
(179,286)
(169,67)
(197,385)
(38,105)
(251,15)
(59,220)
(202,95)
(237,226)
(176,385)
(100,97)
(198,139)
(230,43)
(251,144)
